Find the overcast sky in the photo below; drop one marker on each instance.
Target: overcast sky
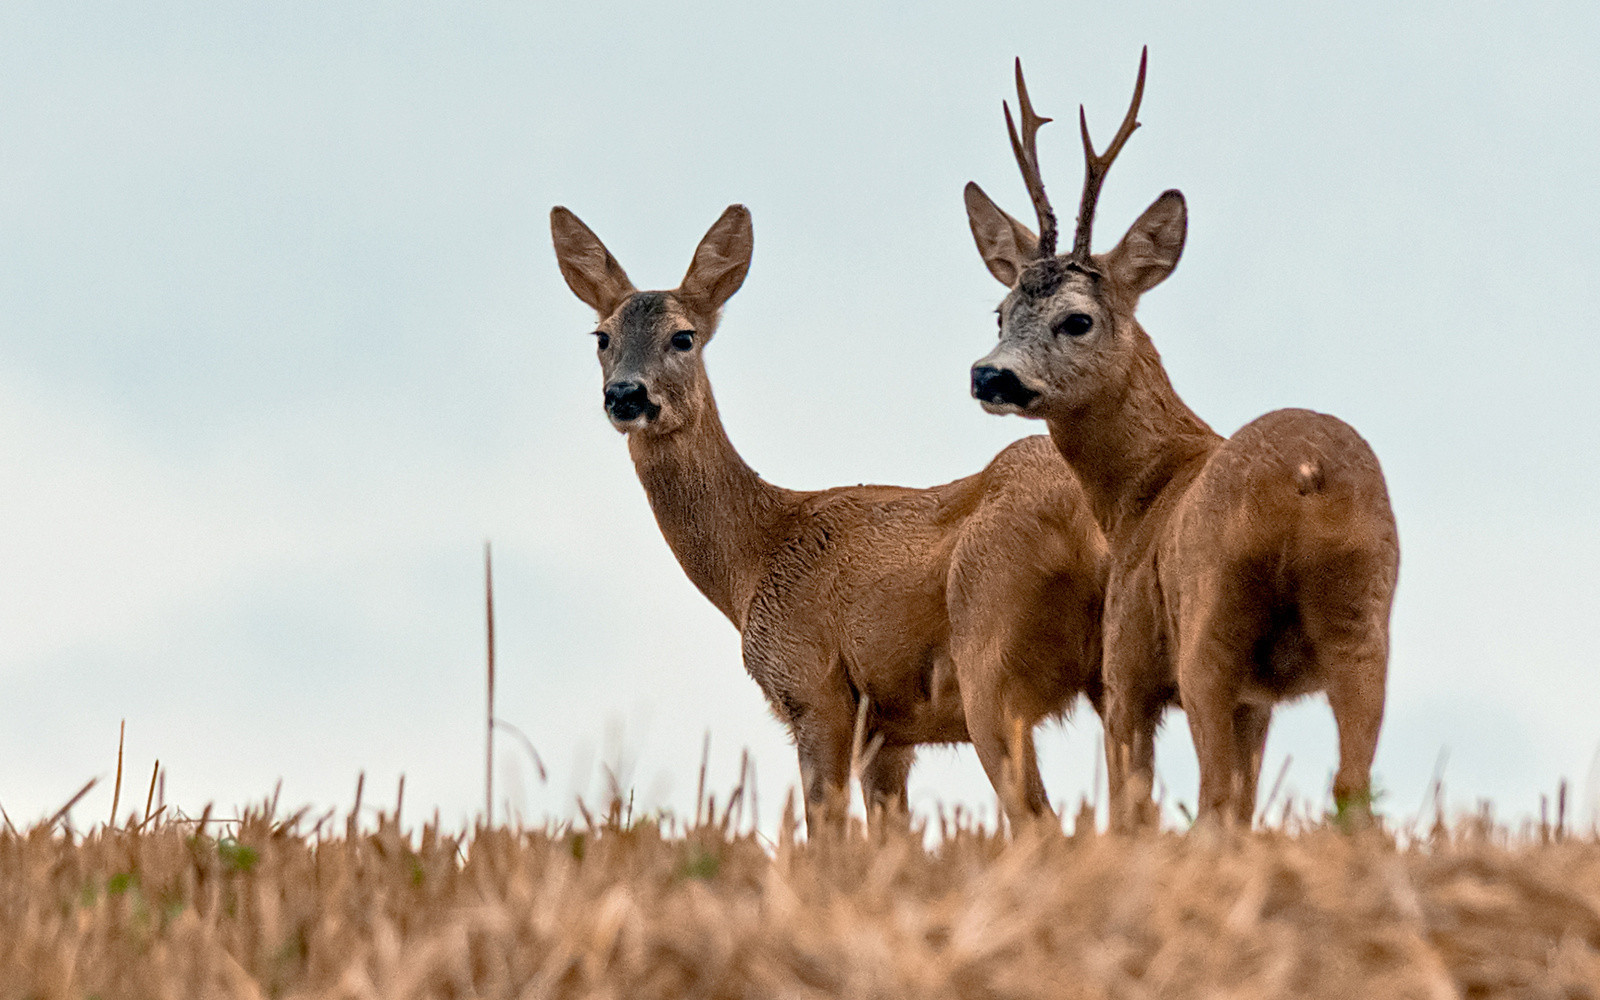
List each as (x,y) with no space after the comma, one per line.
(282,342)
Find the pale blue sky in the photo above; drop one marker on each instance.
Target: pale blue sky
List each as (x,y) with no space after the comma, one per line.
(282,341)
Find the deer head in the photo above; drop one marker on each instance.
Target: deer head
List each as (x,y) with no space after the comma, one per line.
(1067,331)
(650,342)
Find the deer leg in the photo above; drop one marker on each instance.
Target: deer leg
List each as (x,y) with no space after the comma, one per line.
(1131,718)
(883,783)
(1346,621)
(1137,685)
(1004,742)
(1250,724)
(1116,771)
(1344,609)
(1211,703)
(824,775)
(1356,697)
(1025,792)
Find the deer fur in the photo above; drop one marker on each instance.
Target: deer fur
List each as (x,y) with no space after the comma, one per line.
(1244,571)
(968,611)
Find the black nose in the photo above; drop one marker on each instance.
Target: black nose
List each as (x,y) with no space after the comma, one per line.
(1000,385)
(627,401)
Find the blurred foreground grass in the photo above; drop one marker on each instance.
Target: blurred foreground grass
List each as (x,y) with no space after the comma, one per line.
(280,907)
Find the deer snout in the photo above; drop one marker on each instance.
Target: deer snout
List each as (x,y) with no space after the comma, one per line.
(628,401)
(999,389)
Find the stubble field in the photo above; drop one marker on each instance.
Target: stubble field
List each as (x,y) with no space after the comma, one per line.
(274,906)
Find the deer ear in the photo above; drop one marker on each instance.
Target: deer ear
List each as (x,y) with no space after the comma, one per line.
(720,262)
(591,272)
(1005,244)
(1152,246)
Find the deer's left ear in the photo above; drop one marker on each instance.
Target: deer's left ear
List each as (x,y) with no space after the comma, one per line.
(1152,246)
(720,262)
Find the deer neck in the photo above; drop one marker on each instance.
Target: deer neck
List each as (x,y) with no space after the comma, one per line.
(716,514)
(1128,449)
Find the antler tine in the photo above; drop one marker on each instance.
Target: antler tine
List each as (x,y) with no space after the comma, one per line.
(1027,152)
(1097,165)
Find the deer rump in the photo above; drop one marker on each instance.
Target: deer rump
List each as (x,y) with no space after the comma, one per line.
(1282,557)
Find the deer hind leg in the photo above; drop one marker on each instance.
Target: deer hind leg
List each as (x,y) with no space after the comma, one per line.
(1356,695)
(1250,724)
(1003,738)
(1346,597)
(1345,609)
(1230,746)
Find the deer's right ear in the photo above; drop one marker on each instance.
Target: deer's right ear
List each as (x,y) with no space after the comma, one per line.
(591,272)
(1005,244)
(720,261)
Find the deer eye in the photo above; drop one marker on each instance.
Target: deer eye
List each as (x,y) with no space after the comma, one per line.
(683,340)
(1075,325)
(602,339)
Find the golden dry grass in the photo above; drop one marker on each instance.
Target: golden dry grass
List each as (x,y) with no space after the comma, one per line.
(276,910)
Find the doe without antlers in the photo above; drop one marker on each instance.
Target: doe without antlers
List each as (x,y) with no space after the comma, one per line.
(968,611)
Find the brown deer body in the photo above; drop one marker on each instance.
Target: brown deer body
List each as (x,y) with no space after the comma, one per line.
(957,612)
(1244,571)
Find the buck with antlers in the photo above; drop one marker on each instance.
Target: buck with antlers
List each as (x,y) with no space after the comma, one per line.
(1244,571)
(965,611)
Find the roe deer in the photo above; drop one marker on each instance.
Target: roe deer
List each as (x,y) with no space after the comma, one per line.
(965,611)
(1244,571)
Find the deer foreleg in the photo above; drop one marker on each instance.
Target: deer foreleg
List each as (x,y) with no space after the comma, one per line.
(1130,725)
(883,782)
(1210,699)
(824,775)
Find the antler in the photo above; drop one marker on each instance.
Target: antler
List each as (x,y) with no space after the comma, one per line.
(1096,165)
(1027,152)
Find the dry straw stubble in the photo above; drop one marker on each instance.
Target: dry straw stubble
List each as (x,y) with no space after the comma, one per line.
(278,910)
